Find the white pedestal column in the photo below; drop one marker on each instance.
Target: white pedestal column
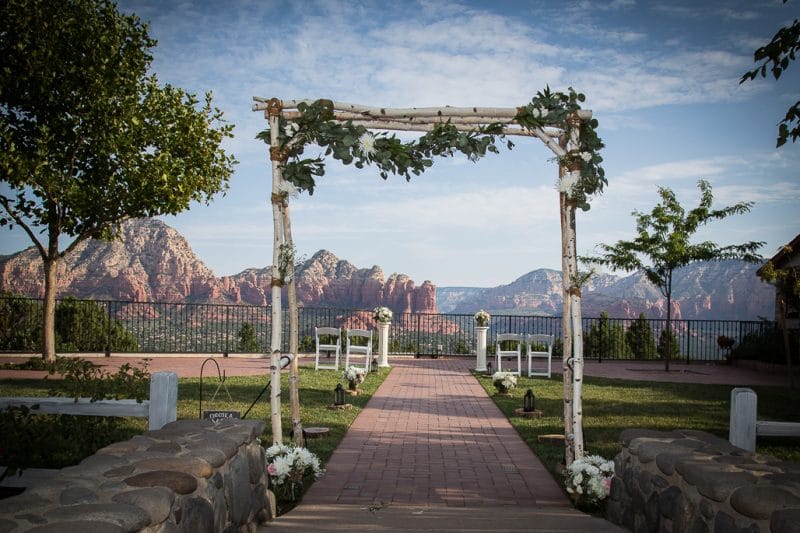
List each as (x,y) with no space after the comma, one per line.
(480,349)
(383,344)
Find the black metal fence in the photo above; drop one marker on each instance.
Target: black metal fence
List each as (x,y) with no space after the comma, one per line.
(151,327)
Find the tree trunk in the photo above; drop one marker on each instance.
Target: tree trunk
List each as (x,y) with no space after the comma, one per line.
(668,354)
(49,311)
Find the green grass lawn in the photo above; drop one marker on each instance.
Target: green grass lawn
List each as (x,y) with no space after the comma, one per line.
(316,394)
(612,405)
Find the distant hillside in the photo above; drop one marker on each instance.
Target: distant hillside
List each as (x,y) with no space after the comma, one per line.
(725,290)
(153,262)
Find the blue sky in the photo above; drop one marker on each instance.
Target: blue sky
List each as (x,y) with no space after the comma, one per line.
(662,78)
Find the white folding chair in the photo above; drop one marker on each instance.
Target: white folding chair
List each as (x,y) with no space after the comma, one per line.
(540,347)
(363,346)
(509,345)
(328,341)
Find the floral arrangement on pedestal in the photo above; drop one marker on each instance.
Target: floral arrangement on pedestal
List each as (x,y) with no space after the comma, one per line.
(290,470)
(354,377)
(504,381)
(588,480)
(482,318)
(382,315)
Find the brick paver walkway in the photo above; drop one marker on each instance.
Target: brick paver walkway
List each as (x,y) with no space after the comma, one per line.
(431,436)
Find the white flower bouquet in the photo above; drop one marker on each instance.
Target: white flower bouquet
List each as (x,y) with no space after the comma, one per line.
(588,479)
(504,381)
(482,318)
(382,314)
(289,469)
(353,375)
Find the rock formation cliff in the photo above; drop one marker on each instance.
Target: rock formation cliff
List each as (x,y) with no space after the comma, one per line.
(152,262)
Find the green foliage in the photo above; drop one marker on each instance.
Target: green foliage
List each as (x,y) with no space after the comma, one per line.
(668,347)
(461,347)
(54,441)
(88,138)
(307,344)
(663,242)
(81,326)
(84,326)
(555,108)
(343,141)
(640,339)
(776,56)
(605,339)
(18,331)
(248,342)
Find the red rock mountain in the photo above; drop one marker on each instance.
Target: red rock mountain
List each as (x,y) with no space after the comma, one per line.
(153,262)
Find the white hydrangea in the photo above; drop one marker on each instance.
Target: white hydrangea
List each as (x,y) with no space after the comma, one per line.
(567,184)
(586,156)
(291,129)
(366,144)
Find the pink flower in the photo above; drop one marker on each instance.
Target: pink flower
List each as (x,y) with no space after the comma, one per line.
(271,469)
(607,484)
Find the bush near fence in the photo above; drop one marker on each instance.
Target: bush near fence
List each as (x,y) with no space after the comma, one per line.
(158,327)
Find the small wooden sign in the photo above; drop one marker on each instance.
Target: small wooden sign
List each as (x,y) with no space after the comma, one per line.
(217,416)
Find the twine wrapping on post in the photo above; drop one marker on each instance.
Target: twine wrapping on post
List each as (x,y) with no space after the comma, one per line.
(278,153)
(274,107)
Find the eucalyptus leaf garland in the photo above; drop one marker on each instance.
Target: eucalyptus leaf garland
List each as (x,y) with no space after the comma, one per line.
(354,144)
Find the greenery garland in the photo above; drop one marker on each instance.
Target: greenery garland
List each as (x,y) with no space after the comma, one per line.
(355,144)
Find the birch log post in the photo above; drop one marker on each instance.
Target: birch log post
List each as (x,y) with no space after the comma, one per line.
(276,157)
(294,392)
(566,324)
(575,294)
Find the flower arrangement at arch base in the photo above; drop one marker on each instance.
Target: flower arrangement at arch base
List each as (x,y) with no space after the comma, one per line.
(290,470)
(504,382)
(354,377)
(588,481)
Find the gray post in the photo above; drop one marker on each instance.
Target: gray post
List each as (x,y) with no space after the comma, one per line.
(744,409)
(163,399)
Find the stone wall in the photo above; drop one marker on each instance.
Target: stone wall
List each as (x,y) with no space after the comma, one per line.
(686,480)
(190,476)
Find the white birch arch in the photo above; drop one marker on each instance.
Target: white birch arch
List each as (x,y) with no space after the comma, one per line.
(556,119)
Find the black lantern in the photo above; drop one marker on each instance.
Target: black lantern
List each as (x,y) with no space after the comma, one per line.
(489,368)
(529,402)
(338,395)
(374,365)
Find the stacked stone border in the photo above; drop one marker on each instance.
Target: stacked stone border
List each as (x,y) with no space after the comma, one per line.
(189,476)
(687,480)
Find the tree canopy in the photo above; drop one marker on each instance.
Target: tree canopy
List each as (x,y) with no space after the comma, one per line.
(776,57)
(663,242)
(88,137)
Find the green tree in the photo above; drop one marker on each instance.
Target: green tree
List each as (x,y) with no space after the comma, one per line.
(605,339)
(787,291)
(248,342)
(668,348)
(640,339)
(84,326)
(775,56)
(87,137)
(663,243)
(20,328)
